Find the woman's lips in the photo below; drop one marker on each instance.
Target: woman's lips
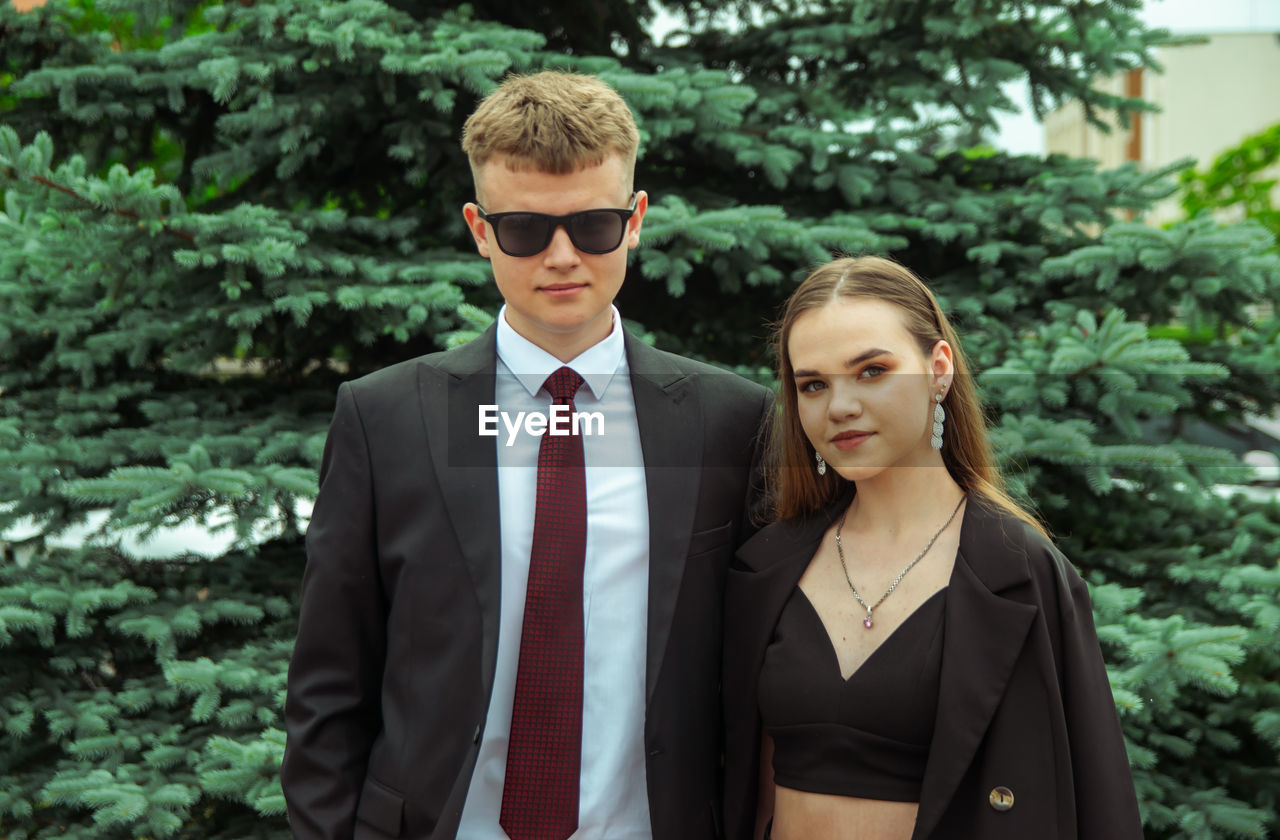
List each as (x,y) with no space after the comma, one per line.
(848,440)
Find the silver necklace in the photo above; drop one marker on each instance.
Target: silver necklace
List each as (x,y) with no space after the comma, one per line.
(866,622)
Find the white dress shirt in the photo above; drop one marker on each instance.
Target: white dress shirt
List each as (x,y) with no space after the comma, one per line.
(613,797)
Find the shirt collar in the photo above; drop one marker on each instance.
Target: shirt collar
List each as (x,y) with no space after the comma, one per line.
(531,365)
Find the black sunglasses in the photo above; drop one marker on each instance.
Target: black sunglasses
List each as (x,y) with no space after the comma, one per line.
(590,231)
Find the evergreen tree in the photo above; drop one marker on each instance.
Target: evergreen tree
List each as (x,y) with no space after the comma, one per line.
(215,212)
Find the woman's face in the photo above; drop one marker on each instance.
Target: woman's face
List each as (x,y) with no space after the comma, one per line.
(864,391)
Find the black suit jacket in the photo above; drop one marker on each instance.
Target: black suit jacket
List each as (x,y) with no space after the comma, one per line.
(397,642)
(1024,701)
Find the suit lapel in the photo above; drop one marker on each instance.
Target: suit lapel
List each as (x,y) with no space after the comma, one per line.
(984,636)
(669,417)
(466,470)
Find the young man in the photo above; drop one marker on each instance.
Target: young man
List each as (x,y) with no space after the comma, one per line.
(511,617)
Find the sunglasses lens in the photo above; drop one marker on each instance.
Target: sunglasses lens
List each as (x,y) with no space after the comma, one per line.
(591,231)
(596,232)
(523,234)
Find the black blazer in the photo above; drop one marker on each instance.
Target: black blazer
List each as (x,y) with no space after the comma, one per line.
(1024,701)
(398,633)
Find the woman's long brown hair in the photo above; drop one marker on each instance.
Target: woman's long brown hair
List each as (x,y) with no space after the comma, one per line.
(797,488)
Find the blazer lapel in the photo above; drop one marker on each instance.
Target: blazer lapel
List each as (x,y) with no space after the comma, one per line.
(984,636)
(466,471)
(775,560)
(768,566)
(669,417)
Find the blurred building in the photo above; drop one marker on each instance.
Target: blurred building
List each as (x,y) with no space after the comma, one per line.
(1211,96)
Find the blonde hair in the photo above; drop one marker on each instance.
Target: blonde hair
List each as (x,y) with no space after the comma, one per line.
(797,488)
(552,122)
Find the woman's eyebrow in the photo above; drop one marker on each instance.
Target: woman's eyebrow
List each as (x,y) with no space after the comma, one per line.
(854,362)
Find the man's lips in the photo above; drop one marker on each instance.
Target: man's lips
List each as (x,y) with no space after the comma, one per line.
(563,289)
(848,440)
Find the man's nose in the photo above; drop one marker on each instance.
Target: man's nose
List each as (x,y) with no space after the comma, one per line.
(561,250)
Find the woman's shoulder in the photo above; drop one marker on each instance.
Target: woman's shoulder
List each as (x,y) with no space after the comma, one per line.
(1004,537)
(785,535)
(782,538)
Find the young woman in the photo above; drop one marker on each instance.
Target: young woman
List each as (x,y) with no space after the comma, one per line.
(908,656)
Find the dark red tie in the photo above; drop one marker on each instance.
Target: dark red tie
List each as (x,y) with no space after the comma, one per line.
(544,755)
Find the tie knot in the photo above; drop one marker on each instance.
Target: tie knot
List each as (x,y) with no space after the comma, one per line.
(562,385)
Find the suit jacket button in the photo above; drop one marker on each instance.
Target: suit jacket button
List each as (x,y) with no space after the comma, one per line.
(1001,798)
(475,739)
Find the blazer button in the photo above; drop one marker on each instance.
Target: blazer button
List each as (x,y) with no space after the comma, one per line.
(475,738)
(1001,798)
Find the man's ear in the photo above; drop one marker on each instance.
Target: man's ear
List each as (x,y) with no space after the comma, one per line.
(478,227)
(637,219)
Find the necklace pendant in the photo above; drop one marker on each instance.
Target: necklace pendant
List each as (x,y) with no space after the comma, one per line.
(866,622)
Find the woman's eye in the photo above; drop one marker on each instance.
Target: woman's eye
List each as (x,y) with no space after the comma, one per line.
(873,371)
(811,386)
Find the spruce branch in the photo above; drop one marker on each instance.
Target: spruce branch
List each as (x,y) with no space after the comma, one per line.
(129,214)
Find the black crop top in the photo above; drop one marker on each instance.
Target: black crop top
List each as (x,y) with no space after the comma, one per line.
(868,736)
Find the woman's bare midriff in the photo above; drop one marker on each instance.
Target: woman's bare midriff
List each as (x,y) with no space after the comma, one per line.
(800,815)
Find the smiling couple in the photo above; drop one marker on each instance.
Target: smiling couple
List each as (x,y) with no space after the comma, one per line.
(593,636)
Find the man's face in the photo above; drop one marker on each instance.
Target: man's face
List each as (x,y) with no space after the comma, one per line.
(558,298)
